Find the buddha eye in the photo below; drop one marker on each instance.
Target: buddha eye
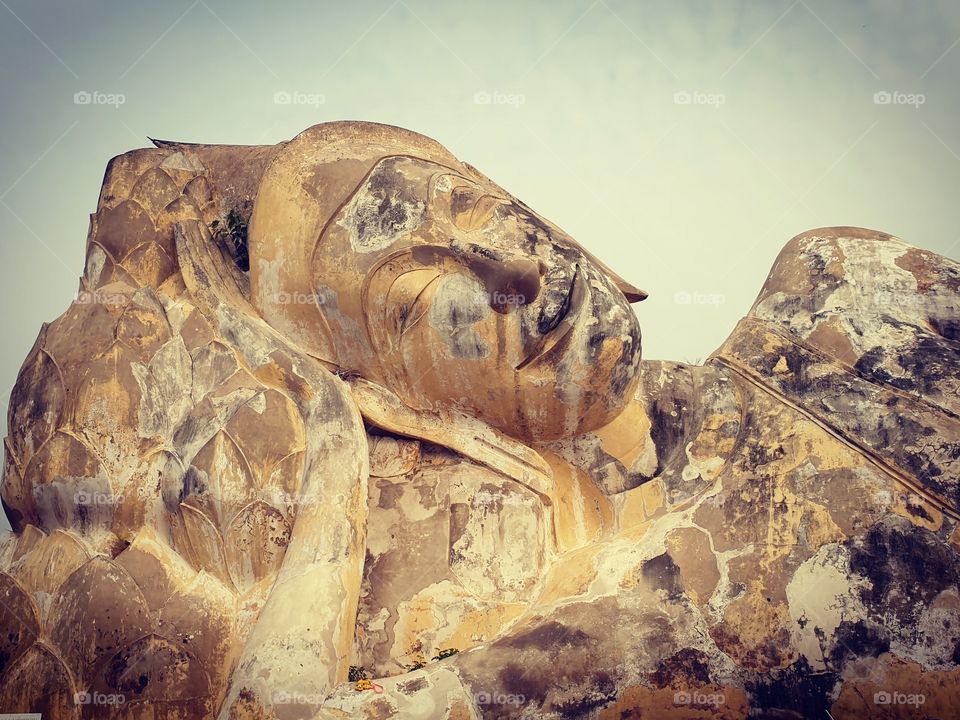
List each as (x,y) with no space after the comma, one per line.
(470,207)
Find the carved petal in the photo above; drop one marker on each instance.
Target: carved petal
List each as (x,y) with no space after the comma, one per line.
(206,543)
(157,570)
(212,365)
(50,562)
(200,617)
(36,403)
(221,481)
(267,429)
(69,486)
(39,683)
(256,541)
(182,209)
(199,190)
(96,262)
(19,624)
(104,408)
(154,190)
(124,227)
(149,265)
(16,493)
(165,385)
(153,668)
(99,611)
(282,490)
(88,328)
(17,545)
(143,327)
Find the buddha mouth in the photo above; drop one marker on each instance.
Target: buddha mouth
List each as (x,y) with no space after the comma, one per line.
(556,330)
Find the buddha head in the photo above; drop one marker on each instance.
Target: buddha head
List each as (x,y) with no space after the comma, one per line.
(380,253)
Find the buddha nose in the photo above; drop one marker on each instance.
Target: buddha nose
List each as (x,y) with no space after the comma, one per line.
(509,280)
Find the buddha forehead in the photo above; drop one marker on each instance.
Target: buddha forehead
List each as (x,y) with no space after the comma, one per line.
(405,202)
(314,175)
(334,166)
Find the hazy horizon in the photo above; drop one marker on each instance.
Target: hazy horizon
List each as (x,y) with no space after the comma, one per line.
(684,143)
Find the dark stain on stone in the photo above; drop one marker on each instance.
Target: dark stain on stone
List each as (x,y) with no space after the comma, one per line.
(531,683)
(869,366)
(393,193)
(763,453)
(768,654)
(919,511)
(192,484)
(193,425)
(459,518)
(390,494)
(662,573)
(856,640)
(14,517)
(796,691)
(907,567)
(668,420)
(627,368)
(689,666)
(412,686)
(924,363)
(549,636)
(947,328)
(599,690)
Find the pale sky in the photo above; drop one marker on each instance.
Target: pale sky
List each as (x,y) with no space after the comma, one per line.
(682,142)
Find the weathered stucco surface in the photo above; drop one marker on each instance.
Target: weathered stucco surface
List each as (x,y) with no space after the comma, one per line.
(402,415)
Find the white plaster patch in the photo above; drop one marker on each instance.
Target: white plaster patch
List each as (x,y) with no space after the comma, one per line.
(820,596)
(374,220)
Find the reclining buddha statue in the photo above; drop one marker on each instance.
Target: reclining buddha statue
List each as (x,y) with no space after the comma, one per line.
(339,428)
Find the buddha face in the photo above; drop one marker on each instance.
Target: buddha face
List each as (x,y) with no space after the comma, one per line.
(438,284)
